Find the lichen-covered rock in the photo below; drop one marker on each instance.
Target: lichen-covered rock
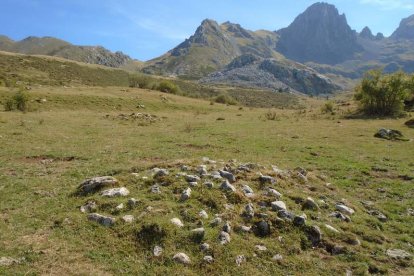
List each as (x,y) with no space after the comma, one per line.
(103,220)
(115,192)
(97,183)
(182,258)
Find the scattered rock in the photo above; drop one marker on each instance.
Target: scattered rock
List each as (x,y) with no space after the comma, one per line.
(227,186)
(345,209)
(182,258)
(157,251)
(227,227)
(310,204)
(380,216)
(240,260)
(202,170)
(203,214)
(116,192)
(185,195)
(265,179)
(132,202)
(224,238)
(215,222)
(277,258)
(192,178)
(299,220)
(160,172)
(209,185)
(208,259)
(227,175)
(89,207)
(249,211)
(389,134)
(331,228)
(247,190)
(96,183)
(278,205)
(128,218)
(260,248)
(103,220)
(314,235)
(204,247)
(274,193)
(155,189)
(262,228)
(177,222)
(398,254)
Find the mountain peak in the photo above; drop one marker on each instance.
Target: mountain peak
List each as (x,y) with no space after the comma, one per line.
(367,33)
(405,30)
(319,34)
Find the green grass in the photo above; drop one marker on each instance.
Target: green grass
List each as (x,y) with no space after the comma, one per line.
(41,221)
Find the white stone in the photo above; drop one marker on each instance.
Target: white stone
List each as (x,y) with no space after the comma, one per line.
(177,222)
(278,205)
(182,258)
(128,218)
(345,209)
(116,192)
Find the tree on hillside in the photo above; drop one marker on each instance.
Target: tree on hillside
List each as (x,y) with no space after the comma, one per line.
(384,94)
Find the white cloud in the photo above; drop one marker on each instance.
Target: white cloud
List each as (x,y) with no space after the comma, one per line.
(391,4)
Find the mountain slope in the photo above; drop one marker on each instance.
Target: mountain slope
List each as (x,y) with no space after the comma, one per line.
(405,30)
(212,47)
(321,35)
(55,47)
(277,75)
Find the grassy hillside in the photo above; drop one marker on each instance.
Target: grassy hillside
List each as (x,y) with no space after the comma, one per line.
(79,132)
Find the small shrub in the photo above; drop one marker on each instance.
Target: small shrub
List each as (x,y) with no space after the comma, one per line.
(271,115)
(140,82)
(225,99)
(21,101)
(9,105)
(328,107)
(168,87)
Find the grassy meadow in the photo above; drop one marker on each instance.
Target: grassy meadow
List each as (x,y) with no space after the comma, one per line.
(77,133)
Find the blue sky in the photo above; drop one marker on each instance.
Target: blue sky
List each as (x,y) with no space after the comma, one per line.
(145,29)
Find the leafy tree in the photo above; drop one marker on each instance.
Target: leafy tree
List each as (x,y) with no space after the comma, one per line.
(384,94)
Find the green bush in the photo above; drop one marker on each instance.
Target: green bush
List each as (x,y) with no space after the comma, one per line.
(328,107)
(140,81)
(19,101)
(168,87)
(384,94)
(225,99)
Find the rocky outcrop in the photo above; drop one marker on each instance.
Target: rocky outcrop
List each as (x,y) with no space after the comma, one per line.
(320,34)
(405,30)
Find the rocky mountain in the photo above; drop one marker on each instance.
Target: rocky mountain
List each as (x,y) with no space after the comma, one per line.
(405,30)
(211,48)
(277,75)
(320,34)
(55,47)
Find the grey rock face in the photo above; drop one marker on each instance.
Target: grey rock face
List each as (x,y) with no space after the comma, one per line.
(103,220)
(115,192)
(97,183)
(405,30)
(319,34)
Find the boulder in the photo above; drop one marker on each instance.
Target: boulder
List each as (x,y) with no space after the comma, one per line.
(314,234)
(103,220)
(182,258)
(97,183)
(299,220)
(262,228)
(278,205)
